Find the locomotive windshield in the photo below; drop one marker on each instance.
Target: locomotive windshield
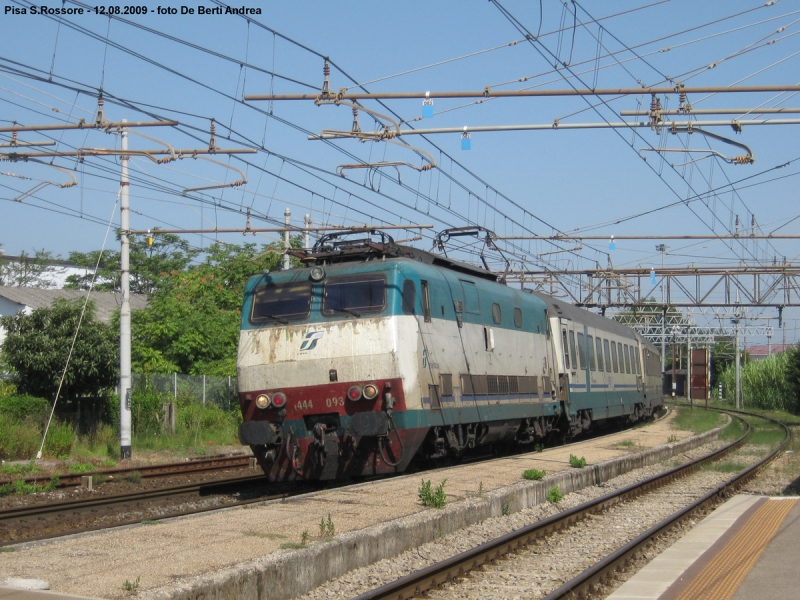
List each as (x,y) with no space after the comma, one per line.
(281,303)
(354,295)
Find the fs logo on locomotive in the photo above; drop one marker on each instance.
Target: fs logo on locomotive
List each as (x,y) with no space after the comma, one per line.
(311,340)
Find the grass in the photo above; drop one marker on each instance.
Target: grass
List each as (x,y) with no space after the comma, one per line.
(534,474)
(24,469)
(506,509)
(725,467)
(81,467)
(134,477)
(733,430)
(697,420)
(131,587)
(627,444)
(765,436)
(432,497)
(6,549)
(149,522)
(554,495)
(293,546)
(268,536)
(576,463)
(20,487)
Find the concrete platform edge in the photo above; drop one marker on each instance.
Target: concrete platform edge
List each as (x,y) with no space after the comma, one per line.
(290,573)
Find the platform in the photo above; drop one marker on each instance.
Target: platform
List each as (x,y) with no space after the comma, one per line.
(747,548)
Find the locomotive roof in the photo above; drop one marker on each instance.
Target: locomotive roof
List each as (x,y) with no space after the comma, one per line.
(366,249)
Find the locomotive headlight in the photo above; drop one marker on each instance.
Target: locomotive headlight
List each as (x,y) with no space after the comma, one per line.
(354,393)
(370,391)
(262,401)
(317,273)
(279,400)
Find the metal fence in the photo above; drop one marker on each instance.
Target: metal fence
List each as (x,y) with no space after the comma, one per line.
(221,391)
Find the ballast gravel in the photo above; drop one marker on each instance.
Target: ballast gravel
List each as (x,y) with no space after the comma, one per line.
(559,558)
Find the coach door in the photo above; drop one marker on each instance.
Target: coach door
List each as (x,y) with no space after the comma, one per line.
(569,355)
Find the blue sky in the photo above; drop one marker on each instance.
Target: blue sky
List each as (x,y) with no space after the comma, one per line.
(512,182)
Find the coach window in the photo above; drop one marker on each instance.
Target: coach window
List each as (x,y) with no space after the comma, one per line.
(614,356)
(572,349)
(627,359)
(354,295)
(281,303)
(517,317)
(599,344)
(607,354)
(581,350)
(426,301)
(592,363)
(496,314)
(566,348)
(409,297)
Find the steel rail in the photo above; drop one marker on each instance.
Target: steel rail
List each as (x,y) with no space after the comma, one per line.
(132,502)
(193,467)
(604,570)
(436,574)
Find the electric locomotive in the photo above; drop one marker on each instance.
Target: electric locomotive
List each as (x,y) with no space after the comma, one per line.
(374,354)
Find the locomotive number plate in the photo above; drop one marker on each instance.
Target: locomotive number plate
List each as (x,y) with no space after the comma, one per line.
(334,402)
(304,404)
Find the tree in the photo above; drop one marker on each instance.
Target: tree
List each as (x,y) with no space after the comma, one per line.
(150,264)
(192,323)
(28,271)
(36,348)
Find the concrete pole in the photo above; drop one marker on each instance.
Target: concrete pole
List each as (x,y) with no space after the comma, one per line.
(287,262)
(689,364)
(125,308)
(663,346)
(307,242)
(738,368)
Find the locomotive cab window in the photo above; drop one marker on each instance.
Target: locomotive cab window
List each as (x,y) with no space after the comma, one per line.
(281,303)
(354,295)
(471,302)
(517,317)
(566,348)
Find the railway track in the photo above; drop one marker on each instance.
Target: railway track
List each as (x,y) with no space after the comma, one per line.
(190,467)
(584,585)
(44,521)
(31,523)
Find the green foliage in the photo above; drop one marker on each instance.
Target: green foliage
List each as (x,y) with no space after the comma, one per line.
(576,463)
(37,345)
(18,439)
(81,467)
(696,420)
(433,498)
(769,383)
(134,477)
(150,265)
(724,467)
(7,387)
(19,487)
(506,509)
(326,528)
(23,470)
(554,495)
(21,407)
(534,474)
(131,587)
(28,271)
(60,440)
(192,323)
(538,448)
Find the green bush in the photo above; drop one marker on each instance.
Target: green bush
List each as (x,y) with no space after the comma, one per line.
(21,407)
(765,384)
(60,440)
(554,495)
(18,440)
(577,463)
(534,474)
(434,498)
